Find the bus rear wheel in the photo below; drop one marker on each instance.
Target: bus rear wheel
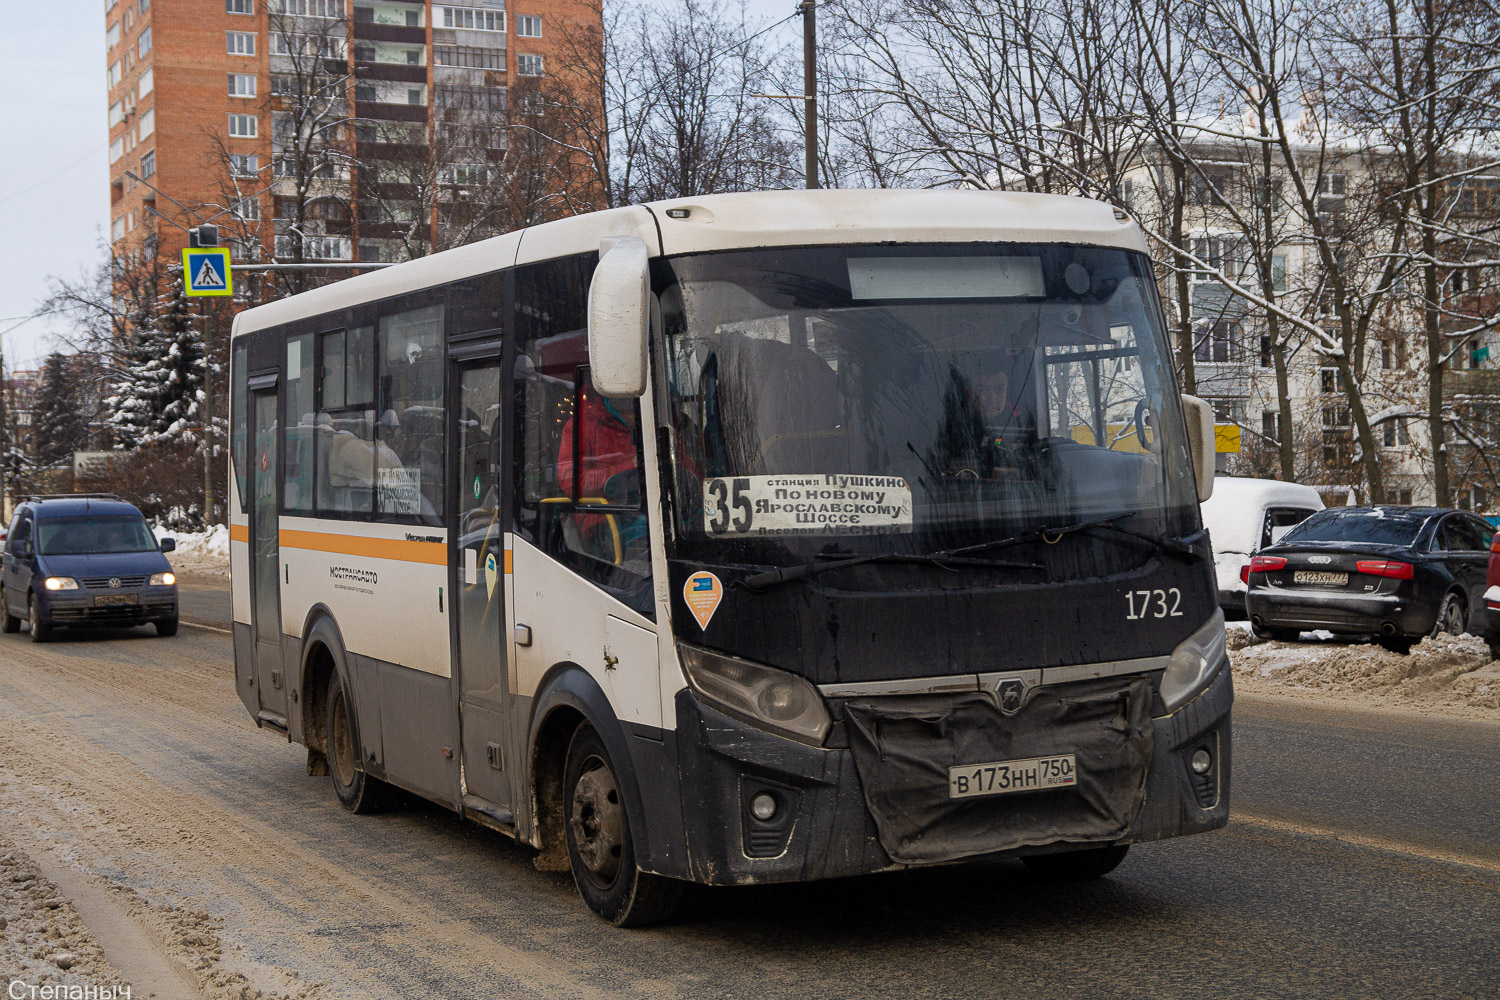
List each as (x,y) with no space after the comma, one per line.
(600,850)
(356,790)
(1092,862)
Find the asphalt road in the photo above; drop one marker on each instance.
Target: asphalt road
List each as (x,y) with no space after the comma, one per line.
(1362,861)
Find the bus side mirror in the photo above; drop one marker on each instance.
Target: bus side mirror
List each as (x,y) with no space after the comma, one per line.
(1200,430)
(619,318)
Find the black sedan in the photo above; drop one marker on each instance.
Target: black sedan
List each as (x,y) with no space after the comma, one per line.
(1399,573)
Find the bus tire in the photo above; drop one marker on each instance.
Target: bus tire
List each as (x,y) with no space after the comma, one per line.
(1092,862)
(600,850)
(357,791)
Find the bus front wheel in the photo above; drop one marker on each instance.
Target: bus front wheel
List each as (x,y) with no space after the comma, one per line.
(600,850)
(356,790)
(1093,862)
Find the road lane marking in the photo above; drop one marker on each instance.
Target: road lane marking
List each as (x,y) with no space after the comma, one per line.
(205,628)
(1363,840)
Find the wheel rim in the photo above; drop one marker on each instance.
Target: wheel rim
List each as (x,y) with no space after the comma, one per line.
(597,822)
(1453,618)
(341,743)
(34,617)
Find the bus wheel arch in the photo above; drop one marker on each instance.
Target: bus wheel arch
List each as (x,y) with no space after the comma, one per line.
(322,657)
(567,699)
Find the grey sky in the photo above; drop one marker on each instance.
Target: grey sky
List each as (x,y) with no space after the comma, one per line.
(54,189)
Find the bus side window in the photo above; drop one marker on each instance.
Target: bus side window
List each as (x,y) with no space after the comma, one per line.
(578,475)
(239,400)
(409,416)
(299,420)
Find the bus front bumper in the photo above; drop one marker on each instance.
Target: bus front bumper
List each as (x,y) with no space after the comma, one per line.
(823,828)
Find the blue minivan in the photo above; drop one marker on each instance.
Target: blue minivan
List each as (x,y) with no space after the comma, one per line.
(85,559)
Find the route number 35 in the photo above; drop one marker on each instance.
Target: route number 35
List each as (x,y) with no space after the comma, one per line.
(1153,604)
(729,505)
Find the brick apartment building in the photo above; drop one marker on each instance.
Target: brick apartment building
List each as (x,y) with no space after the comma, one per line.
(321,130)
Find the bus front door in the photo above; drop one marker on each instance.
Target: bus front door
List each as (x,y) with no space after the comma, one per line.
(479,587)
(265,562)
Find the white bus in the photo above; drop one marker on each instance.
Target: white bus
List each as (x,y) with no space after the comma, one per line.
(742,539)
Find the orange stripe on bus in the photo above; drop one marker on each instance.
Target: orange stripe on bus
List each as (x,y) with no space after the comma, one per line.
(435,553)
(507,561)
(239,532)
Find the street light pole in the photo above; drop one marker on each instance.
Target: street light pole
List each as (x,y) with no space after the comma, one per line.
(810,86)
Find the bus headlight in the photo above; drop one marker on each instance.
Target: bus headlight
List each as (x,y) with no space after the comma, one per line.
(1195,662)
(61,583)
(771,698)
(163,579)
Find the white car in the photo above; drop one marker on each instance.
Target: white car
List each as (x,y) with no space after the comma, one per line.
(1242,517)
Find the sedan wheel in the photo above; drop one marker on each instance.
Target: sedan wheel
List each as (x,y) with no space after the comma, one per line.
(1451,617)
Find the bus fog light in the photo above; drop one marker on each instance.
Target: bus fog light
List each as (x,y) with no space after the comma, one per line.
(763,806)
(1202,761)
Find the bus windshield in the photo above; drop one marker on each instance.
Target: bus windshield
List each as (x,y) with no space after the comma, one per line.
(916,398)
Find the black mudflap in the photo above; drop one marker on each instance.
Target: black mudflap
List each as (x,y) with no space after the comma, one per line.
(903,747)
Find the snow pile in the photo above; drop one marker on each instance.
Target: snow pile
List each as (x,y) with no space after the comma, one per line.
(1444,672)
(43,943)
(204,553)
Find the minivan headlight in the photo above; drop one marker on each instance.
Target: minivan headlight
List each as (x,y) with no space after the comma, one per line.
(771,698)
(1196,661)
(163,579)
(60,583)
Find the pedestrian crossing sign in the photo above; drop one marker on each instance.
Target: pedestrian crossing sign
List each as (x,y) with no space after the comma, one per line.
(205,271)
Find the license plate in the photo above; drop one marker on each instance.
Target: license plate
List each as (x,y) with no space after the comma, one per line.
(1320,577)
(1034,774)
(106,600)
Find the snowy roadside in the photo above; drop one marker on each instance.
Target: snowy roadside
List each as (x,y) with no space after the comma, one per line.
(1446,675)
(43,942)
(199,553)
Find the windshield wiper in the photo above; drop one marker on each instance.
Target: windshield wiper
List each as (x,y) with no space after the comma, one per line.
(786,574)
(1177,546)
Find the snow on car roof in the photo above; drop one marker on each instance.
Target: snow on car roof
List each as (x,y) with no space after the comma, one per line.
(1233,514)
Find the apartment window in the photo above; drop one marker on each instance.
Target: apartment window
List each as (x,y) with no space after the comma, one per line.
(1278,272)
(414,95)
(474,20)
(1224,253)
(1393,433)
(528,65)
(239,6)
(309,8)
(470,56)
(1269,421)
(144,44)
(147,81)
(1220,342)
(116,114)
(148,122)
(1265,350)
(364,92)
(528,26)
(241,85)
(1330,380)
(148,164)
(243,164)
(1335,417)
(239,43)
(1214,186)
(247,209)
(243,126)
(112,36)
(129,19)
(112,78)
(1331,188)
(143,6)
(1387,355)
(117,229)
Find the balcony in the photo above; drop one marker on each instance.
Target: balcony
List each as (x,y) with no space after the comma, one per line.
(379,110)
(1471,382)
(1222,379)
(373,32)
(401,72)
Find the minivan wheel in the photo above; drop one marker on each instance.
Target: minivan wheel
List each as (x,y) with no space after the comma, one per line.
(40,630)
(167,627)
(601,852)
(1451,617)
(8,621)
